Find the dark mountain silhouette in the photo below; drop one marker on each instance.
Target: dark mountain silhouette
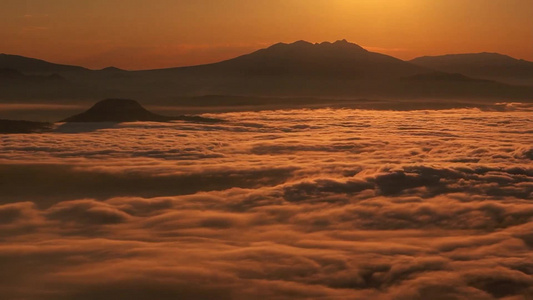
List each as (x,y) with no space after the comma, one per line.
(482,65)
(339,69)
(112,69)
(338,60)
(125,110)
(17,126)
(34,66)
(116,110)
(298,70)
(437,84)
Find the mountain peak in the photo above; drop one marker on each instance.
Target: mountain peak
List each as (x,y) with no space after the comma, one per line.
(342,42)
(297,44)
(340,59)
(111,69)
(301,44)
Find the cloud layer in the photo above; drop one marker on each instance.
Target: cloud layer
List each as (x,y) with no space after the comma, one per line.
(306,204)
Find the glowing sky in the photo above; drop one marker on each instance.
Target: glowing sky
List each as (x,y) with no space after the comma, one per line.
(137,34)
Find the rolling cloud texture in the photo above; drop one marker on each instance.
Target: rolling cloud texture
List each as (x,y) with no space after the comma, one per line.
(301,204)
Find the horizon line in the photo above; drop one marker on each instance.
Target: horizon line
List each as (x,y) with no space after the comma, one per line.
(367,48)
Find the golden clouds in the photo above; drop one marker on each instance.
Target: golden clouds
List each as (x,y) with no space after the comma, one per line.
(295,204)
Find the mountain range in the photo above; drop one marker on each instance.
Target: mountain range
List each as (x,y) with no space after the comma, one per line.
(339,60)
(301,69)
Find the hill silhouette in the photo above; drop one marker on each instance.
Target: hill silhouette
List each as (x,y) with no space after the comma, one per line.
(32,66)
(482,65)
(112,69)
(339,69)
(297,70)
(125,110)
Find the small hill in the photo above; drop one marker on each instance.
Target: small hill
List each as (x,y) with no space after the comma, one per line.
(17,126)
(117,110)
(125,110)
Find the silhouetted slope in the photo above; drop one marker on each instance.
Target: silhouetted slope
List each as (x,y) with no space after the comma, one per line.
(34,66)
(479,65)
(124,110)
(16,126)
(339,60)
(112,69)
(458,86)
(301,69)
(339,69)
(116,110)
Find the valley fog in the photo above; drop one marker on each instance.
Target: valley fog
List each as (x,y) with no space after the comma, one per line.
(280,204)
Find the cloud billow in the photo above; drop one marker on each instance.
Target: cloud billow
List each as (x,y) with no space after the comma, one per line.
(323,211)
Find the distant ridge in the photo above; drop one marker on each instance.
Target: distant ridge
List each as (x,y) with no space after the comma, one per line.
(34,66)
(479,65)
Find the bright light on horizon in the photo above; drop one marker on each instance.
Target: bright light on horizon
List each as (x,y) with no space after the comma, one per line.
(140,34)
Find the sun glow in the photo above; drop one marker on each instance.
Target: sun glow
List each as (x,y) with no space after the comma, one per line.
(137,35)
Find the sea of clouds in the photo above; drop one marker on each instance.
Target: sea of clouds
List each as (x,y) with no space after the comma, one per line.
(295,204)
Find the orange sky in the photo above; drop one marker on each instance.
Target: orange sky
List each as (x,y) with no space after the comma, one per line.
(140,34)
